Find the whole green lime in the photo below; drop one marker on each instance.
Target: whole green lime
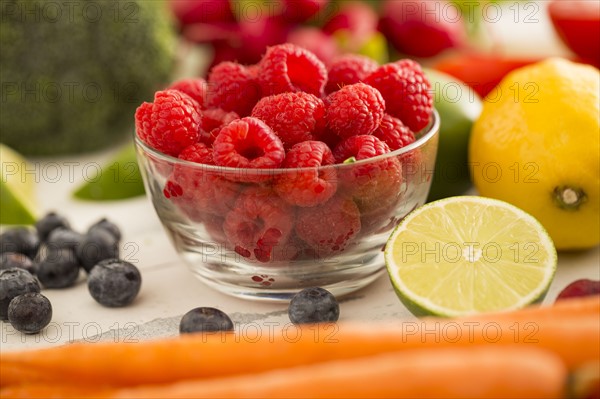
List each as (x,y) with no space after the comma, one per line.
(459,106)
(73,73)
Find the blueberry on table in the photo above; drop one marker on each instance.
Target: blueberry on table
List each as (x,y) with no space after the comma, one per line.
(58,268)
(21,240)
(15,282)
(108,226)
(114,282)
(9,260)
(313,305)
(48,223)
(205,319)
(64,237)
(30,313)
(97,245)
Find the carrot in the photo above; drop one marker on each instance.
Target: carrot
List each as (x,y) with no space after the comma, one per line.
(476,372)
(568,307)
(575,339)
(47,391)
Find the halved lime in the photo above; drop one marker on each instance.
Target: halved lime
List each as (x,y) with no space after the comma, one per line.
(119,179)
(17,189)
(466,255)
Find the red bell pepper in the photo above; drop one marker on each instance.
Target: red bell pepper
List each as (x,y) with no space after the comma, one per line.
(479,71)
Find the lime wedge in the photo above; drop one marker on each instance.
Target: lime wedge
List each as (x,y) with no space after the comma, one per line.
(118,179)
(467,255)
(17,189)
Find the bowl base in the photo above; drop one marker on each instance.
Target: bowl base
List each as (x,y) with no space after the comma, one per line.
(267,294)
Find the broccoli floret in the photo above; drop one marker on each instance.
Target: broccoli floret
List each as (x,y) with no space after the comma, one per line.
(74,71)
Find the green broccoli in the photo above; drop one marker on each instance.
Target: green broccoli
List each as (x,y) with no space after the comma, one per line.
(74,71)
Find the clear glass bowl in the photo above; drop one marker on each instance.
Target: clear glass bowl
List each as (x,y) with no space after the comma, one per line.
(239,232)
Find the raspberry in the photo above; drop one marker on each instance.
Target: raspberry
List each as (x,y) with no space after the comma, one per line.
(307,187)
(294,117)
(354,110)
(198,153)
(259,224)
(232,87)
(330,227)
(171,123)
(248,143)
(198,191)
(347,70)
(195,88)
(394,133)
(406,91)
(373,185)
(212,121)
(359,147)
(287,67)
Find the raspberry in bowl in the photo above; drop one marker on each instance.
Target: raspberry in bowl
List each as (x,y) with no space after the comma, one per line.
(299,187)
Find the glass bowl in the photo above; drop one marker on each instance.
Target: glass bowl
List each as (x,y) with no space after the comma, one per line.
(248,233)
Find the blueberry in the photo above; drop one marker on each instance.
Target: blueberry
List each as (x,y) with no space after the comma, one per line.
(58,268)
(8,260)
(30,313)
(48,223)
(64,237)
(313,305)
(14,282)
(205,319)
(21,240)
(114,283)
(108,226)
(97,245)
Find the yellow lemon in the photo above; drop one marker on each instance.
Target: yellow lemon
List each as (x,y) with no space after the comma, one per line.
(536,146)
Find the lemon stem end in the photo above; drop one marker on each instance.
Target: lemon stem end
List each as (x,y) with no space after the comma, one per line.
(569,198)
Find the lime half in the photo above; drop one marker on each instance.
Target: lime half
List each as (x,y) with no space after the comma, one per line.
(17,189)
(119,179)
(467,255)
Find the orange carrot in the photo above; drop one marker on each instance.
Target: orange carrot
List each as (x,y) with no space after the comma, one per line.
(476,372)
(574,339)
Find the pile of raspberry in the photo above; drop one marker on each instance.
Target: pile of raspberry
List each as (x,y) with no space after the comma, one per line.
(289,111)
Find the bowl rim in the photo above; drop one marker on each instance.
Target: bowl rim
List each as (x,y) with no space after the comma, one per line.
(426,134)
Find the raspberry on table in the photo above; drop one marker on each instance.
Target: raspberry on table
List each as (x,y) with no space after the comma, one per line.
(372,185)
(330,227)
(232,87)
(354,110)
(259,224)
(407,92)
(213,120)
(169,124)
(287,67)
(394,133)
(199,192)
(307,187)
(347,70)
(195,88)
(248,143)
(294,117)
